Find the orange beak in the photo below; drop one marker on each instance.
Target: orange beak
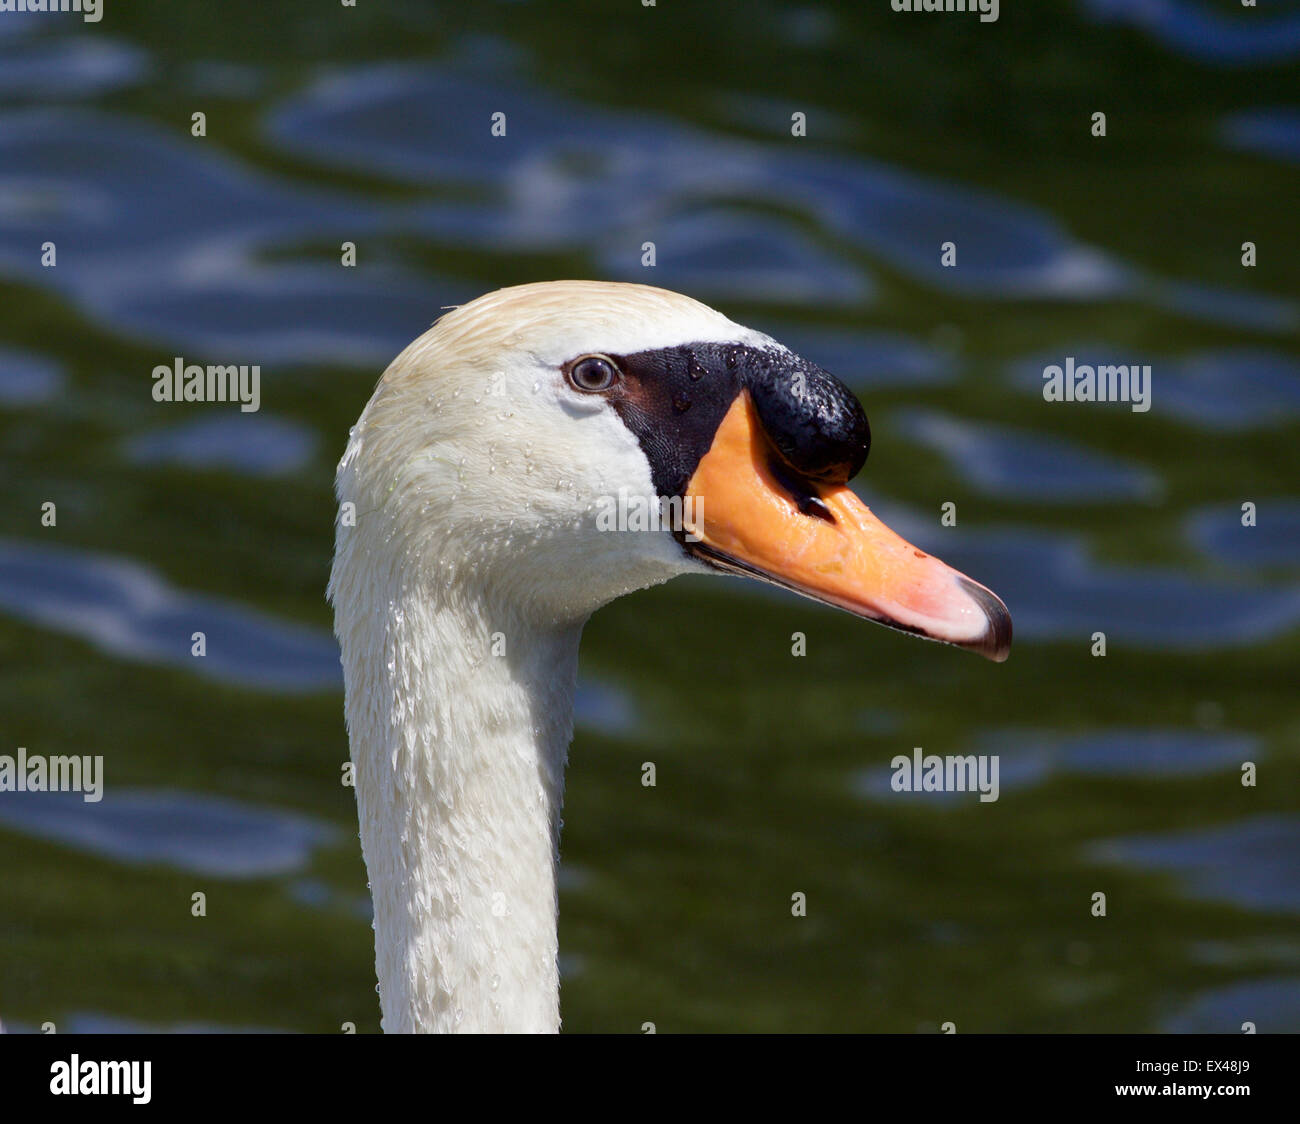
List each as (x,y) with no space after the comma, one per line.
(750,515)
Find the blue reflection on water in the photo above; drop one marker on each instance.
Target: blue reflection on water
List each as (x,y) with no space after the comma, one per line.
(1230,308)
(132,612)
(170,241)
(1194,29)
(1271,1004)
(1021,464)
(250,443)
(66,67)
(1056,591)
(574,174)
(1229,390)
(1273,541)
(719,252)
(27,379)
(321,895)
(203,834)
(1139,753)
(866,359)
(1270,132)
(175,241)
(1250,863)
(603,707)
(1031,757)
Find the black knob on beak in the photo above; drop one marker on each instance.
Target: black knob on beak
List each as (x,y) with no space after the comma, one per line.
(813,420)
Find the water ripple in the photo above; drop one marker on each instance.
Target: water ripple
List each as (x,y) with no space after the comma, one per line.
(570,173)
(1031,757)
(866,359)
(1021,464)
(28,379)
(1250,863)
(1196,31)
(1231,390)
(1273,541)
(1271,1004)
(170,237)
(254,444)
(67,67)
(202,834)
(1270,132)
(131,612)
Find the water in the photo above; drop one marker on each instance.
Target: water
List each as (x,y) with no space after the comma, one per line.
(207,836)
(1120,774)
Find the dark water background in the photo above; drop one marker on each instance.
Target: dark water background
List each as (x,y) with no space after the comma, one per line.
(329,124)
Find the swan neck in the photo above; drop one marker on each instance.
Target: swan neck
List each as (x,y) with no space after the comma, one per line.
(460,715)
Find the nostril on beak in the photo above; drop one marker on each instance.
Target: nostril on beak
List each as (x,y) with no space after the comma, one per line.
(799,491)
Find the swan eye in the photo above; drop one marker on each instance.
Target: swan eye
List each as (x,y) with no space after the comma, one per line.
(593,373)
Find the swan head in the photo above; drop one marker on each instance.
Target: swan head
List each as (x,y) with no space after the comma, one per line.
(559,444)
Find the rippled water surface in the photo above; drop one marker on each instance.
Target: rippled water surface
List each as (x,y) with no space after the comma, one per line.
(1119,774)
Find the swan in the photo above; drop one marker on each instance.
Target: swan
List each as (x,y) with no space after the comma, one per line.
(472,543)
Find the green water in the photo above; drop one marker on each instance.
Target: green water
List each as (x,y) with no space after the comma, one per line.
(676,905)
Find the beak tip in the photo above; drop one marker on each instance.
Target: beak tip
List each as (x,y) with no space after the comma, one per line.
(995,644)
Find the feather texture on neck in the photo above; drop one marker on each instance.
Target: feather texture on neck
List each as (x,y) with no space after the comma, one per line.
(460,715)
